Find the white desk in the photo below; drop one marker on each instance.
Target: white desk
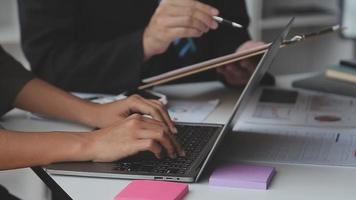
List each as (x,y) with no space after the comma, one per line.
(291,181)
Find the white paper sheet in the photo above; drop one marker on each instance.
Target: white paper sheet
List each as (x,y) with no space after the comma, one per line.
(179,110)
(291,133)
(191,111)
(301,145)
(310,110)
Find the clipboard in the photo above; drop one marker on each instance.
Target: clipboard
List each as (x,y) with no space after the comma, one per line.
(227,59)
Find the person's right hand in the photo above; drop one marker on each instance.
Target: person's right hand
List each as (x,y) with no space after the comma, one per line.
(135,134)
(104,115)
(175,19)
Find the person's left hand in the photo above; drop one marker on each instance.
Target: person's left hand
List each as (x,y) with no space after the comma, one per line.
(104,115)
(238,74)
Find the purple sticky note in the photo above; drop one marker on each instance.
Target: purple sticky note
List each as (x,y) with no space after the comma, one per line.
(243,176)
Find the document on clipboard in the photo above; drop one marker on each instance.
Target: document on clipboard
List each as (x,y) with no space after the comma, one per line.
(227,59)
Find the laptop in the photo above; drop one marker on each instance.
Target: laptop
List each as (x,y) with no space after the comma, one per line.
(200,142)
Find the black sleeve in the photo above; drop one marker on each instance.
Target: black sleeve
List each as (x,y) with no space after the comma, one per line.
(13,77)
(225,39)
(58,52)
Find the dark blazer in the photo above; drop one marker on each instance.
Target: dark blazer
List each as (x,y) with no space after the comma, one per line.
(96,46)
(12,79)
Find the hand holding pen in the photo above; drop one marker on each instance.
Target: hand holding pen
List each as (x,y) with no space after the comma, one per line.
(175,19)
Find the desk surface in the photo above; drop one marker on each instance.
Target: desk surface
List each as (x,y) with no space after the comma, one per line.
(291,181)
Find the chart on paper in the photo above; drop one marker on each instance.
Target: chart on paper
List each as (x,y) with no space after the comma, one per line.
(296,108)
(302,145)
(297,127)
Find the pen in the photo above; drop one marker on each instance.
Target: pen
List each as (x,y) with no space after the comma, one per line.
(92,98)
(228,22)
(300,37)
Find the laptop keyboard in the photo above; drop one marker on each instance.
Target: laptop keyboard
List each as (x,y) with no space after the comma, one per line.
(192,138)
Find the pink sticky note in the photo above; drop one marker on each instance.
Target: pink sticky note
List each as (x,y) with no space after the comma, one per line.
(243,176)
(152,190)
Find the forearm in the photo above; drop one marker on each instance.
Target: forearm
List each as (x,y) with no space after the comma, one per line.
(39,97)
(19,150)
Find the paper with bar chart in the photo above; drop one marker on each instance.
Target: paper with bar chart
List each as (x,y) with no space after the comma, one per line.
(297,127)
(300,108)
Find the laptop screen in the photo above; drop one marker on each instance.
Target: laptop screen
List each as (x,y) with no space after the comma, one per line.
(261,69)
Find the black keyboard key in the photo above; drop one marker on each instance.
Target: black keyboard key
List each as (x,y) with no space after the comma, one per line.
(146,168)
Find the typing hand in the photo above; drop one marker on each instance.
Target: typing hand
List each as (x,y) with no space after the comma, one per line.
(130,136)
(175,19)
(238,74)
(103,115)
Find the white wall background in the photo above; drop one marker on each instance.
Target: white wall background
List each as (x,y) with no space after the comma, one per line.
(310,56)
